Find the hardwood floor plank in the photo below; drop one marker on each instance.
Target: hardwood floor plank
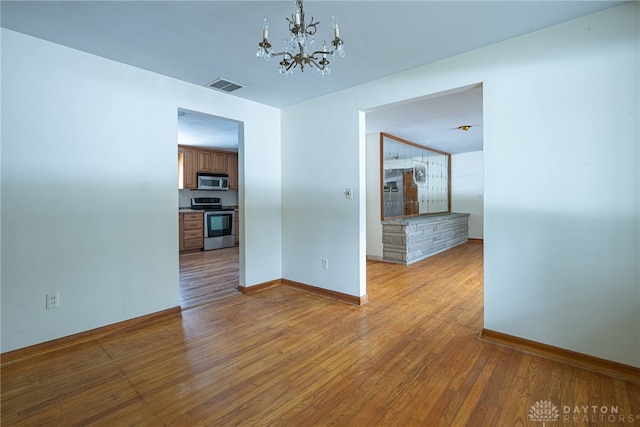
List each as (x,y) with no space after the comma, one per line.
(207,276)
(284,357)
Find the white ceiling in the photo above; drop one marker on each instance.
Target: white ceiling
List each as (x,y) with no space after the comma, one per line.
(207,131)
(199,41)
(431,121)
(434,121)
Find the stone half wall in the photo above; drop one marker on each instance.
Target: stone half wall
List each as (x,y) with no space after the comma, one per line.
(408,240)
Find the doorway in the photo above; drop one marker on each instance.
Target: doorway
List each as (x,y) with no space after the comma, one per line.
(207,145)
(436,121)
(449,121)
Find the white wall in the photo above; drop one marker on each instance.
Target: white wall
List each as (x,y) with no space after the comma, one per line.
(467,189)
(561,236)
(89,180)
(318,221)
(374,227)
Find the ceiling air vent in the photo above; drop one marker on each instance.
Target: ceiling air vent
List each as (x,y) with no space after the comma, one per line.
(224,85)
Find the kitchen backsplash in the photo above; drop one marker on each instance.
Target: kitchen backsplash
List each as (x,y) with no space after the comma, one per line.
(227,198)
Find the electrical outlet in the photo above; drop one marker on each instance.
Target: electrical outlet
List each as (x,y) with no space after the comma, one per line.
(325,263)
(53,300)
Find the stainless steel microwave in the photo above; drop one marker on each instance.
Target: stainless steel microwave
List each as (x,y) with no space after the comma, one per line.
(213,181)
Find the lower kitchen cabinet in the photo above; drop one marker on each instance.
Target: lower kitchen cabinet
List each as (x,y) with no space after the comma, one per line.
(237,227)
(191,231)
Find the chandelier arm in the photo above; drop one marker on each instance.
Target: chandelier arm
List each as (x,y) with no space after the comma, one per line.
(286,55)
(319,66)
(293,27)
(312,27)
(291,64)
(321,52)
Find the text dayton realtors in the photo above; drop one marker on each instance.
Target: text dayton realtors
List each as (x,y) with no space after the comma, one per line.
(596,414)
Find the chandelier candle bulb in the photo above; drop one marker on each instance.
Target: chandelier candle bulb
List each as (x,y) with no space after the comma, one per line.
(336,30)
(265,29)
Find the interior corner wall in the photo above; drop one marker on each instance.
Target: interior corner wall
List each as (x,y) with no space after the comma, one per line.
(374,225)
(561,185)
(467,189)
(89,189)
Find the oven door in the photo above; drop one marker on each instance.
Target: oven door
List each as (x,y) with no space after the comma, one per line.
(219,229)
(219,223)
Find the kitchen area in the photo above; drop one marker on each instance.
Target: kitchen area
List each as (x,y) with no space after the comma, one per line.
(207,199)
(208,214)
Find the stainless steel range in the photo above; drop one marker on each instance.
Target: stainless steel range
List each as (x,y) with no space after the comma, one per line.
(219,223)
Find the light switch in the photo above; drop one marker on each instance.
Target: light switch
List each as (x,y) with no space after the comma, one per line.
(348,193)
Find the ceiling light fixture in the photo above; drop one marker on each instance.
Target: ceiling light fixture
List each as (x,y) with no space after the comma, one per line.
(300,42)
(464,127)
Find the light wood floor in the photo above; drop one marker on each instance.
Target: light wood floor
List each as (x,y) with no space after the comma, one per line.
(284,357)
(207,276)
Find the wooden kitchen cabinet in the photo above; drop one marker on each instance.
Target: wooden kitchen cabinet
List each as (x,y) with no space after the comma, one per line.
(237,211)
(212,161)
(232,170)
(187,167)
(411,202)
(219,162)
(191,231)
(205,163)
(180,233)
(192,160)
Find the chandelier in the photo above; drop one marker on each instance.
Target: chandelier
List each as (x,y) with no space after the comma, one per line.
(299,45)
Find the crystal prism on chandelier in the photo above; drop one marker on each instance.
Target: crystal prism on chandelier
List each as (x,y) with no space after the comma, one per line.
(300,42)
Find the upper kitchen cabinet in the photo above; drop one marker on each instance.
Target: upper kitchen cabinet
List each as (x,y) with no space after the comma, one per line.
(192,160)
(212,161)
(205,164)
(232,170)
(187,167)
(219,162)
